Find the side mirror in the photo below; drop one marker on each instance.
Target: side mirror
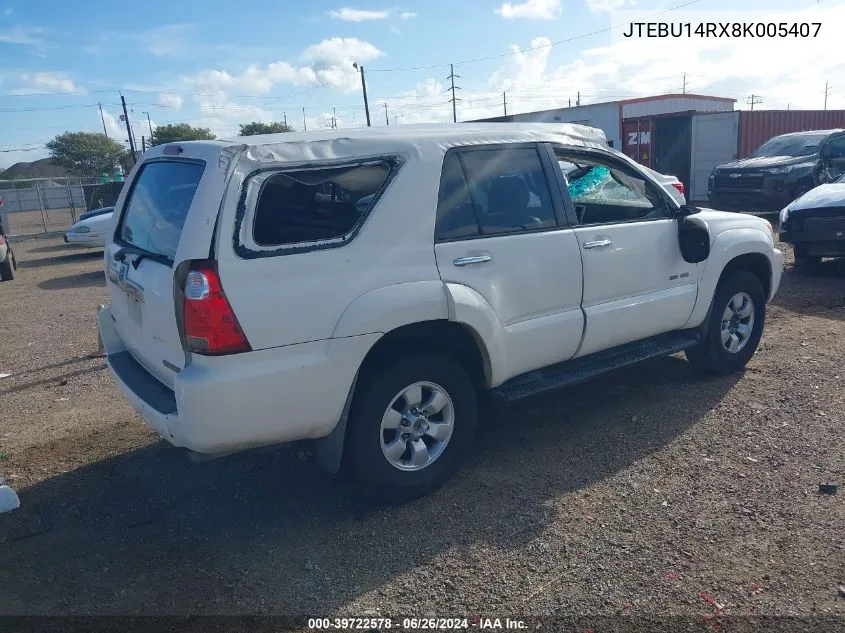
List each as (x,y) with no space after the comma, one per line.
(693,238)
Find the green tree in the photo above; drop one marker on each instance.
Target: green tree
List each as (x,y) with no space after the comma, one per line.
(180,132)
(86,153)
(256,127)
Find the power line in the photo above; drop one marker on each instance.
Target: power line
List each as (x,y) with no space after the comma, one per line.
(528,50)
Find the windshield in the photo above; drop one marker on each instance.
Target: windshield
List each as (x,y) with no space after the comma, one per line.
(788,145)
(155,213)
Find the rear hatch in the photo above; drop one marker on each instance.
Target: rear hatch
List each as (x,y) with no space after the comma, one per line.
(167,215)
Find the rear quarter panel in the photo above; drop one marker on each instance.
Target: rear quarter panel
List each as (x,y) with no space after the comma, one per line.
(309,296)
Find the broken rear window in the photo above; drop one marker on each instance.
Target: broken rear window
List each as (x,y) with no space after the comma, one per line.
(314,205)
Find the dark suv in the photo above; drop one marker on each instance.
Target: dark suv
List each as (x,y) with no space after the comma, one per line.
(814,224)
(780,170)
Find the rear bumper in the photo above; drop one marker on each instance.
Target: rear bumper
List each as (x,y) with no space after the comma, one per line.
(230,403)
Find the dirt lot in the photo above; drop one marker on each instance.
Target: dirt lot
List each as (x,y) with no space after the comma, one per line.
(653,491)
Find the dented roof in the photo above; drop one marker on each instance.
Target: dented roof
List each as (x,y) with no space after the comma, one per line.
(333,143)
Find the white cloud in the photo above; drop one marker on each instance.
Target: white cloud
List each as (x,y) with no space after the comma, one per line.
(603,6)
(531,10)
(166,41)
(170,100)
(215,92)
(115,128)
(358,15)
(407,15)
(47,82)
(169,40)
(7,12)
(340,51)
(25,36)
(395,29)
(633,68)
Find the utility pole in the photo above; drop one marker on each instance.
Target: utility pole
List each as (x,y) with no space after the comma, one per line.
(285,115)
(386,117)
(334,118)
(684,89)
(143,143)
(505,102)
(103,119)
(453,100)
(128,128)
(304,121)
(364,89)
(149,124)
(826,93)
(754,100)
(578,98)
(570,102)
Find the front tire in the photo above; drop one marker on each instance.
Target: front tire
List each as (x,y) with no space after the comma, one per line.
(411,423)
(735,326)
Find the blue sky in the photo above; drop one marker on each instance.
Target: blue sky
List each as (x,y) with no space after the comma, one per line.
(217,64)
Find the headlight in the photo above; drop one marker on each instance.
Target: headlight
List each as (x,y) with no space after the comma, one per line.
(775,171)
(784,216)
(81,229)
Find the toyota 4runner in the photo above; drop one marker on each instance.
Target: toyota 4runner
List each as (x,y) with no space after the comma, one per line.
(363,288)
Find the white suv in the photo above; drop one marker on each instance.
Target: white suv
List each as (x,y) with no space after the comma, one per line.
(363,288)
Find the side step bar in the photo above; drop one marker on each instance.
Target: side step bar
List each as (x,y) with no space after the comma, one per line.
(578,370)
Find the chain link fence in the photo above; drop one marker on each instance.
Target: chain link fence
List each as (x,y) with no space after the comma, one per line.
(51,205)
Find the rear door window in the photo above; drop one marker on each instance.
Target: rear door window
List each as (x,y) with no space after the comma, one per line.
(456,217)
(509,190)
(158,205)
(492,191)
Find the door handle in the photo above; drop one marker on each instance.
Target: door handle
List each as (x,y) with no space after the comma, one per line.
(597,243)
(468,261)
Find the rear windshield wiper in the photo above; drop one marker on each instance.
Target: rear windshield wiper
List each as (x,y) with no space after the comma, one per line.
(140,255)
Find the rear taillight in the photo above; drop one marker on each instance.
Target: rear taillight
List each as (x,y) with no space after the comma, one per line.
(679,186)
(211,327)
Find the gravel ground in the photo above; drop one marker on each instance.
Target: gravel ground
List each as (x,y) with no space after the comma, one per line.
(650,492)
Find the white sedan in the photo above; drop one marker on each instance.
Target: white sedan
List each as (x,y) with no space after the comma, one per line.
(92,228)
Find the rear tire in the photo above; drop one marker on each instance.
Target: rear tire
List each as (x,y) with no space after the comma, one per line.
(7,267)
(735,326)
(400,449)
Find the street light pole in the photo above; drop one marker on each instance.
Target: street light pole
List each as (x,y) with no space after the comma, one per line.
(364,88)
(149,124)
